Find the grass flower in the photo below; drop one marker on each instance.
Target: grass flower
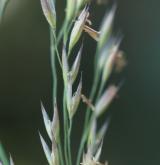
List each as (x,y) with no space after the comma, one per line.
(93,33)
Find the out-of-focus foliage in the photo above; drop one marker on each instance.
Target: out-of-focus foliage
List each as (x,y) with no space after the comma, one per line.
(3,158)
(3,4)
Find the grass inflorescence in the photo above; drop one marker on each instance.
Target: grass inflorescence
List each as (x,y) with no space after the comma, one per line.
(107,57)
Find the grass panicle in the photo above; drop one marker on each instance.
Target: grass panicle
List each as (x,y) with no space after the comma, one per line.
(105,61)
(107,58)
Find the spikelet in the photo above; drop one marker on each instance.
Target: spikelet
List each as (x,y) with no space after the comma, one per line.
(76,65)
(55,123)
(73,101)
(49,11)
(54,153)
(105,100)
(46,150)
(106,27)
(78,28)
(71,9)
(102,131)
(110,59)
(47,121)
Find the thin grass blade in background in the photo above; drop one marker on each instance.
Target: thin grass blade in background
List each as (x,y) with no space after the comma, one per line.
(3,5)
(3,157)
(11,160)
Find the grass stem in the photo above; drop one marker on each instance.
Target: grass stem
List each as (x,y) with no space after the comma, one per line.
(65,124)
(69,141)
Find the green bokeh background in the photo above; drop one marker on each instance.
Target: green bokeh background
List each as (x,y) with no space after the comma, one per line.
(25,77)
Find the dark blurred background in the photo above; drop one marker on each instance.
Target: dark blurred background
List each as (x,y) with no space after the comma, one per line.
(25,78)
